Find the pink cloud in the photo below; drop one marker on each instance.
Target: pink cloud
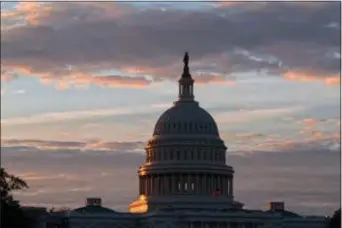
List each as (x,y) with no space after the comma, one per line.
(72,145)
(42,39)
(334,79)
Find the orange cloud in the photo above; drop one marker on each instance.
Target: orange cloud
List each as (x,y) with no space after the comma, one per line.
(249,136)
(25,13)
(317,134)
(213,79)
(333,79)
(316,138)
(79,79)
(230,3)
(45,46)
(113,80)
(35,13)
(311,123)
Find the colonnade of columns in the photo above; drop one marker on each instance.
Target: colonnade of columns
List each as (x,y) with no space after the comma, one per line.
(186,154)
(186,90)
(201,184)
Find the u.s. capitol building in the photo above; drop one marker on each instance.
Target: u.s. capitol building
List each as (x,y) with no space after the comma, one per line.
(184,182)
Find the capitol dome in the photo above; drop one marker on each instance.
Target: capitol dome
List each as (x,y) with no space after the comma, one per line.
(185,118)
(185,164)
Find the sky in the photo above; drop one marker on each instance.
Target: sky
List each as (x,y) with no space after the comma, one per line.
(82,85)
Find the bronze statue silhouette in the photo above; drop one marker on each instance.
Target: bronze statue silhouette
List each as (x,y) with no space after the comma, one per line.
(186,59)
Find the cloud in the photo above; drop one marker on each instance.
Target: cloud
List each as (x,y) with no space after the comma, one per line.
(32,144)
(250,115)
(309,122)
(249,136)
(73,42)
(317,140)
(19,91)
(310,77)
(73,115)
(214,79)
(313,126)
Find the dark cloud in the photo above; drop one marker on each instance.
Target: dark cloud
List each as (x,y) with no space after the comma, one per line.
(307,180)
(276,37)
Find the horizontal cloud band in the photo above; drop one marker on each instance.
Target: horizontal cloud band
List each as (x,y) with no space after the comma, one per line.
(71,43)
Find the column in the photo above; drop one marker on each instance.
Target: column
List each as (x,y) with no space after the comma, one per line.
(144,185)
(148,185)
(214,181)
(157,185)
(190,183)
(140,185)
(223,186)
(149,181)
(169,184)
(227,184)
(165,182)
(181,183)
(173,183)
(160,184)
(213,184)
(153,185)
(210,185)
(197,184)
(231,187)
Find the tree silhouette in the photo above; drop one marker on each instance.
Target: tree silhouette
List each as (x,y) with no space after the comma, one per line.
(12,214)
(335,221)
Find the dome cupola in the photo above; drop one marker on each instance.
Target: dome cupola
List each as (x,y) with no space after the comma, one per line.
(186,116)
